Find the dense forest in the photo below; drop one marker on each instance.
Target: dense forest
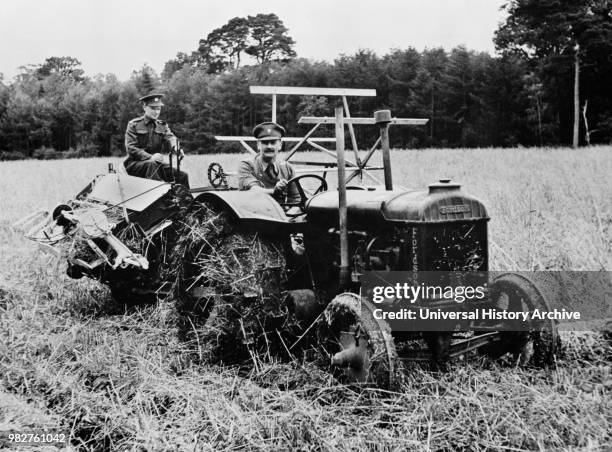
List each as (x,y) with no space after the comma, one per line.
(548,84)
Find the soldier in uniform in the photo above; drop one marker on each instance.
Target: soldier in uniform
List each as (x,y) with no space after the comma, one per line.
(147,139)
(264,172)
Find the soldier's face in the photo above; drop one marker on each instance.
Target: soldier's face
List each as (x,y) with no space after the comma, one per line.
(152,112)
(268,148)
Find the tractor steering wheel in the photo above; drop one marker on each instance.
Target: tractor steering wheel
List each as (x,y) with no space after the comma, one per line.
(305,194)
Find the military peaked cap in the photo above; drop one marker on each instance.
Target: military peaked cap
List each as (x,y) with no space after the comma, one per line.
(268,130)
(152,100)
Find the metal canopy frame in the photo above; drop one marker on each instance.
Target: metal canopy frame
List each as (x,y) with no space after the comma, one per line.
(274,91)
(359,166)
(343,93)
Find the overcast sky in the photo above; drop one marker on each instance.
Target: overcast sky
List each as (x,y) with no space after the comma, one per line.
(119,36)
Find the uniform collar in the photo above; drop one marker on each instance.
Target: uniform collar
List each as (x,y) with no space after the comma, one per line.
(265,164)
(148,120)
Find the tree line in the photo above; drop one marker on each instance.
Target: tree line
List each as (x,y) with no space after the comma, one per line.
(548,85)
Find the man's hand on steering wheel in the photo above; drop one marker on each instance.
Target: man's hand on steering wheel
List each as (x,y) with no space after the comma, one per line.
(280,186)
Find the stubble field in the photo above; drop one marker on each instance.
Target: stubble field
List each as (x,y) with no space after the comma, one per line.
(125,381)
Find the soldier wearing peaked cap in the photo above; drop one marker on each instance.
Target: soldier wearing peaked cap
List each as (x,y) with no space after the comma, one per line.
(265,172)
(147,139)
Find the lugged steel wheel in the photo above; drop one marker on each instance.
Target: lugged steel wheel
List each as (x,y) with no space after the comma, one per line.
(249,317)
(537,346)
(230,289)
(361,347)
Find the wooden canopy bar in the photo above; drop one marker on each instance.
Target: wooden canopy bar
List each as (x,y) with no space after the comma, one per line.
(312,163)
(290,139)
(304,91)
(332,120)
(298,140)
(353,169)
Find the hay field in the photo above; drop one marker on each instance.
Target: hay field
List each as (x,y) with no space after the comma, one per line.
(123,381)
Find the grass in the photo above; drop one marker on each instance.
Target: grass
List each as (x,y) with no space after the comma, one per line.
(126,382)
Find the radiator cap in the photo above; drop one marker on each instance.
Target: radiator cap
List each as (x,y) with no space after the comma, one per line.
(444,185)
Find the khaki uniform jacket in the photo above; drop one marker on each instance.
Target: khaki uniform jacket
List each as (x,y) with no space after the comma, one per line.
(145,136)
(253,173)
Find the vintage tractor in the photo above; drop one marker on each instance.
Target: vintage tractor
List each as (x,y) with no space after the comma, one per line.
(254,276)
(439,229)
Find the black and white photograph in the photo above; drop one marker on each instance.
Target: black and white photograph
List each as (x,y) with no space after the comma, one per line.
(306,226)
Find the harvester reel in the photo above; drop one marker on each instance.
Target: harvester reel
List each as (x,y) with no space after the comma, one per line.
(361,346)
(538,346)
(216,176)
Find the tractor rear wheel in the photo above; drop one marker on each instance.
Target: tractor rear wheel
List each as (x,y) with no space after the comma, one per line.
(230,290)
(361,347)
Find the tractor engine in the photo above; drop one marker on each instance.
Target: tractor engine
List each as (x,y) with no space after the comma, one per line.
(437,229)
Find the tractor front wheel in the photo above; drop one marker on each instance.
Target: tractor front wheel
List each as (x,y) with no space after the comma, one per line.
(534,343)
(361,347)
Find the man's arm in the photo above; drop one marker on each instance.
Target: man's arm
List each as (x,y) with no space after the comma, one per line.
(248,181)
(169,137)
(131,144)
(246,176)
